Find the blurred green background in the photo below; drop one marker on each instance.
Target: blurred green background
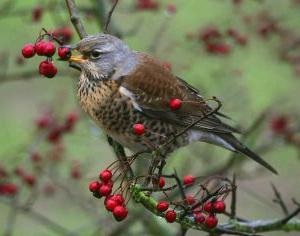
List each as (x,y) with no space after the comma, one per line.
(249,80)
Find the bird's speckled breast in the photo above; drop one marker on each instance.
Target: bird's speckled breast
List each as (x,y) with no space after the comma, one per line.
(116,115)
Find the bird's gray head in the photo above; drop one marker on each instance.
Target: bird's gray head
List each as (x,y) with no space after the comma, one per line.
(100,56)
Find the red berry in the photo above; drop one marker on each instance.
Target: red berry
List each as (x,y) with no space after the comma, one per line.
(37,13)
(94,186)
(30,180)
(241,40)
(170,216)
(175,104)
(188,180)
(120,213)
(162,206)
(64,53)
(39,47)
(54,135)
(35,157)
(211,221)
(219,206)
(44,121)
(171,8)
(49,49)
(161,182)
(118,198)
(63,33)
(110,204)
(138,129)
(76,172)
(210,34)
(105,190)
(8,189)
(190,200)
(279,124)
(105,176)
(199,217)
(28,50)
(208,207)
(47,69)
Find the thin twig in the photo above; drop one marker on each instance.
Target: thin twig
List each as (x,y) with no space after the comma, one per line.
(233,198)
(110,15)
(279,200)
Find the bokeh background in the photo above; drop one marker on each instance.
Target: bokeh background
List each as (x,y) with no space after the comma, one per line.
(260,74)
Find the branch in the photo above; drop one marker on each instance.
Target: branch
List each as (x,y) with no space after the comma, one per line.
(233,227)
(75,19)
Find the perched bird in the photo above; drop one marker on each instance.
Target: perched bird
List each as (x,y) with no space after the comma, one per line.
(119,87)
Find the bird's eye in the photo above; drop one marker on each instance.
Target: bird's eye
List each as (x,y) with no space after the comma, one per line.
(95,54)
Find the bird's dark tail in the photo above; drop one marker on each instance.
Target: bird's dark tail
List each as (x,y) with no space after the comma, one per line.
(239,147)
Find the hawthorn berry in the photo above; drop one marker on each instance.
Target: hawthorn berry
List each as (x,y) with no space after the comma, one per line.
(147,5)
(161,182)
(54,135)
(219,206)
(48,49)
(279,124)
(63,33)
(39,47)
(171,8)
(170,216)
(189,179)
(47,69)
(190,200)
(8,189)
(28,50)
(43,121)
(211,221)
(64,53)
(105,176)
(175,104)
(208,207)
(162,206)
(35,157)
(30,180)
(120,213)
(199,217)
(76,172)
(138,129)
(105,190)
(94,186)
(118,198)
(37,13)
(110,204)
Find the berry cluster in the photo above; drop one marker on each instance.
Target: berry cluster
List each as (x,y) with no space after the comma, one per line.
(146,5)
(114,203)
(204,214)
(53,128)
(46,48)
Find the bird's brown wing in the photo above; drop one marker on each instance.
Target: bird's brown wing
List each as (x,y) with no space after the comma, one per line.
(151,87)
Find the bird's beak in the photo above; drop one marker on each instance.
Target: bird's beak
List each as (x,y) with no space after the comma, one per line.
(77,58)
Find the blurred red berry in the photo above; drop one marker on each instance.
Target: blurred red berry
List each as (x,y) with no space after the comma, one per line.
(55,134)
(210,33)
(105,176)
(162,206)
(43,121)
(211,221)
(138,129)
(190,200)
(30,180)
(64,53)
(175,104)
(279,124)
(47,69)
(120,213)
(8,189)
(3,172)
(208,207)
(241,40)
(147,5)
(76,172)
(219,206)
(189,180)
(63,33)
(218,48)
(35,157)
(171,8)
(170,216)
(37,13)
(94,186)
(199,217)
(161,182)
(28,50)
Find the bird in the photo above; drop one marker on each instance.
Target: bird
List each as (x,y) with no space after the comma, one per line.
(119,87)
